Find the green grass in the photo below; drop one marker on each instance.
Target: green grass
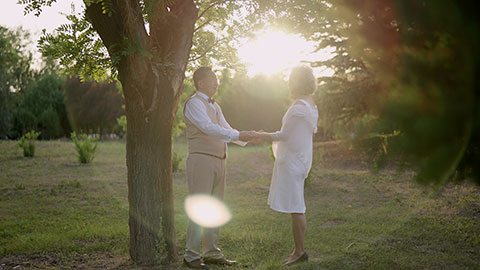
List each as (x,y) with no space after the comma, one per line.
(56,212)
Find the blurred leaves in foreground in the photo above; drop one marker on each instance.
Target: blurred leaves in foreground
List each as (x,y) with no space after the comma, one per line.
(405,67)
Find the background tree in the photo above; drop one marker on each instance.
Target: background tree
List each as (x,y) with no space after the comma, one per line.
(400,66)
(30,99)
(15,74)
(243,99)
(428,69)
(93,107)
(41,107)
(352,95)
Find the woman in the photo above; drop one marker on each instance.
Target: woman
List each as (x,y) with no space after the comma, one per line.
(292,148)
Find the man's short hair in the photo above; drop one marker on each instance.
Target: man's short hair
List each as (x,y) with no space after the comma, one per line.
(200,73)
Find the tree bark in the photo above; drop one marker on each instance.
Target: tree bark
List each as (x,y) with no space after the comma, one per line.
(150,192)
(152,86)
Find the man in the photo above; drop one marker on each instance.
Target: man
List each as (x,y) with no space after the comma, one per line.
(207,135)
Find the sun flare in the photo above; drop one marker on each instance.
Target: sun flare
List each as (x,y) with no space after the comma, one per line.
(272,52)
(207,211)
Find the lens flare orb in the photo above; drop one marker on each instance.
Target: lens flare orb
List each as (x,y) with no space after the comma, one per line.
(207,211)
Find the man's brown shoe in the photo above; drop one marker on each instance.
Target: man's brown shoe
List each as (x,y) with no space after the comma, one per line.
(219,261)
(196,264)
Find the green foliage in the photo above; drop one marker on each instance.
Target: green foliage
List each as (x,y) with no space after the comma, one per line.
(218,29)
(41,106)
(27,143)
(26,95)
(93,107)
(50,123)
(15,74)
(408,67)
(35,6)
(85,147)
(353,91)
(179,125)
(79,49)
(176,160)
(24,120)
(122,122)
(431,58)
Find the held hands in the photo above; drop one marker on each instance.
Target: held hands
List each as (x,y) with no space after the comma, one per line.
(246,136)
(254,136)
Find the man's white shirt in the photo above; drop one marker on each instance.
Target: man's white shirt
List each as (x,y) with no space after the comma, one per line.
(196,113)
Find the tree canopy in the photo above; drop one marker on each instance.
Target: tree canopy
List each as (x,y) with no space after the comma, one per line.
(81,51)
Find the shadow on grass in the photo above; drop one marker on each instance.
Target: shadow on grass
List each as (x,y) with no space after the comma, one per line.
(420,243)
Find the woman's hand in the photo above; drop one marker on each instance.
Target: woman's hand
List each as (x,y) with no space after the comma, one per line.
(260,136)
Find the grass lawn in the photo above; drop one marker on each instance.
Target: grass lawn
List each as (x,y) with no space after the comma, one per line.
(58,214)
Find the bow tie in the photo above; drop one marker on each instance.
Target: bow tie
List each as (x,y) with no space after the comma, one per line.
(211,100)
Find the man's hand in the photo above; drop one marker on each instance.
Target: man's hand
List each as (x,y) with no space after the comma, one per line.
(246,136)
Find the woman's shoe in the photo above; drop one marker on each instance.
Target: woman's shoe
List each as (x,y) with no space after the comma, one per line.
(302,258)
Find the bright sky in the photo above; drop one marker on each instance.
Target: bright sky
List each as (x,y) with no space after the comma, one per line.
(274,51)
(12,16)
(271,52)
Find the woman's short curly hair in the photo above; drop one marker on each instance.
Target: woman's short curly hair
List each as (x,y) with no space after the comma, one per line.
(302,81)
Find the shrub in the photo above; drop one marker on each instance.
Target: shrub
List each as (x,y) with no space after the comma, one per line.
(92,106)
(23,120)
(50,123)
(85,147)
(27,142)
(176,160)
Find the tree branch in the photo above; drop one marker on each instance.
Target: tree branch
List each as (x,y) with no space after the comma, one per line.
(186,14)
(211,6)
(131,13)
(202,25)
(172,39)
(207,50)
(109,28)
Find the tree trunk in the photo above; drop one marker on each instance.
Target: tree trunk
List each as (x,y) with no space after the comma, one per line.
(152,84)
(150,193)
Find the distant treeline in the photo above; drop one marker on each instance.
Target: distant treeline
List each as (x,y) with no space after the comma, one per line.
(48,101)
(56,106)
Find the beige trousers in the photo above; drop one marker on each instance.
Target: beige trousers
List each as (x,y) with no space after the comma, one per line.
(205,175)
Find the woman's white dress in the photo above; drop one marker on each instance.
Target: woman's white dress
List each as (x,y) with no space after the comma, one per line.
(292,148)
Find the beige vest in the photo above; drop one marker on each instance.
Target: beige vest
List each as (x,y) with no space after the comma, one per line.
(201,143)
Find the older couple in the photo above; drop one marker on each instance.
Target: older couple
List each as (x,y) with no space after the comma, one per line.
(208,134)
